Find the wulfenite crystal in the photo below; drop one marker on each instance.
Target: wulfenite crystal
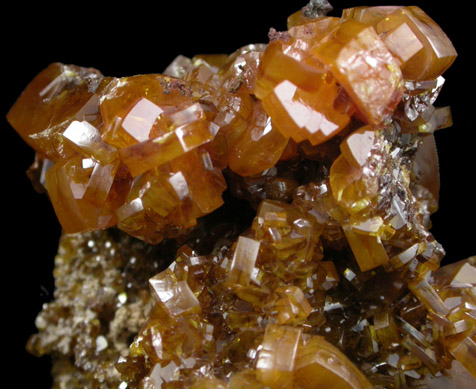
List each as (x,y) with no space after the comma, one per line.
(327,133)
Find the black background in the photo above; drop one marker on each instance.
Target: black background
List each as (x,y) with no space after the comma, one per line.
(143,37)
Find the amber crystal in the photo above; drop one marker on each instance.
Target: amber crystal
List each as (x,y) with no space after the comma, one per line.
(421,48)
(326,134)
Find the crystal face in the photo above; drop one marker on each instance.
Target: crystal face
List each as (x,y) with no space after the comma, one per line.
(326,133)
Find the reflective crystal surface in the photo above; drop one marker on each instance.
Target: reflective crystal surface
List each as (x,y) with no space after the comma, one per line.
(325,136)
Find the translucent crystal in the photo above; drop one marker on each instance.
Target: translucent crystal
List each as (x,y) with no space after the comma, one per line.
(275,364)
(321,364)
(375,84)
(256,219)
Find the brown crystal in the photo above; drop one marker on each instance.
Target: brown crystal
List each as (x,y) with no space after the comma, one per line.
(327,134)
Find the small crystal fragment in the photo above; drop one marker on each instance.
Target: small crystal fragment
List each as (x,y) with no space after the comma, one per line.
(357,146)
(176,296)
(319,364)
(428,296)
(275,364)
(244,260)
(386,328)
(465,353)
(368,250)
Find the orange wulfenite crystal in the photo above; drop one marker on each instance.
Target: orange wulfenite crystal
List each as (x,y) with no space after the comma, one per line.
(419,45)
(327,133)
(374,83)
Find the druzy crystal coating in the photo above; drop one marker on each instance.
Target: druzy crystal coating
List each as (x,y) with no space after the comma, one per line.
(327,132)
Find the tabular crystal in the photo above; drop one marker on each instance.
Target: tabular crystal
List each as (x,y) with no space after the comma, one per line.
(327,133)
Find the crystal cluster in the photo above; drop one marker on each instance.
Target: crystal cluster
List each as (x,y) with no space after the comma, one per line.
(327,132)
(96,308)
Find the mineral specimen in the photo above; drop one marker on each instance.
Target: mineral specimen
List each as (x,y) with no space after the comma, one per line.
(327,133)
